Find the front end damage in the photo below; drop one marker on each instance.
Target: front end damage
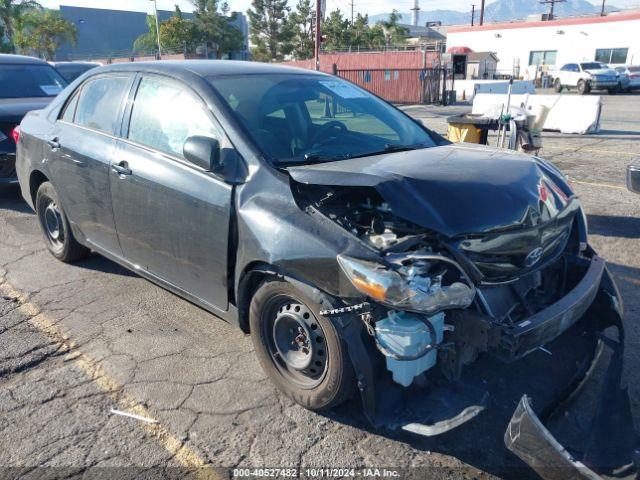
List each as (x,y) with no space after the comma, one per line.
(448,327)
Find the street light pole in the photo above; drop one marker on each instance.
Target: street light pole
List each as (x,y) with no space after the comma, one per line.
(155,6)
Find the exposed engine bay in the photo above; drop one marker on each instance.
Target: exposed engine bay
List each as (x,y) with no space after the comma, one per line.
(429,311)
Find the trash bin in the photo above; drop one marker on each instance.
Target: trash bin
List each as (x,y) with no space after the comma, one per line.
(470,128)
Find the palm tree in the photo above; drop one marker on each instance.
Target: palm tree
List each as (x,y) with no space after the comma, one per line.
(10,11)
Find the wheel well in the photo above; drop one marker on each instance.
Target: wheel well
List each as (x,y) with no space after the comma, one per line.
(36,179)
(250,280)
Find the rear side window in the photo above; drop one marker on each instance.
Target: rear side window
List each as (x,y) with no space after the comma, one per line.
(100,103)
(165,114)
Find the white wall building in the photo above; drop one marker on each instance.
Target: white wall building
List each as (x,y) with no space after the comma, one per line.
(614,38)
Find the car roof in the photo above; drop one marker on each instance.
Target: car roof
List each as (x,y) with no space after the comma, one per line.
(58,64)
(206,68)
(8,59)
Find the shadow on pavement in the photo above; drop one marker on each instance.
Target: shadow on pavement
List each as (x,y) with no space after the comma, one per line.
(10,199)
(613,226)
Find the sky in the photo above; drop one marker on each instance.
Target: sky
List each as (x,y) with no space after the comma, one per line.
(364,6)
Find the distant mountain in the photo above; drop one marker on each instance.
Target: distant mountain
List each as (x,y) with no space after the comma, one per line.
(499,11)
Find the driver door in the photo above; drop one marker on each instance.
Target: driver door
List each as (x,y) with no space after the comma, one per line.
(172,217)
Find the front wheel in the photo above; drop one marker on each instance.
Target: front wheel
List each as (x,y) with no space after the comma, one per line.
(55,226)
(557,85)
(300,350)
(583,87)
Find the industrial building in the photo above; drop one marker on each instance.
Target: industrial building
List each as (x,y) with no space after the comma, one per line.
(611,39)
(110,33)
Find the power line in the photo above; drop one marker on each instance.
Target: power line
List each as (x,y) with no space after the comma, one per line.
(552,4)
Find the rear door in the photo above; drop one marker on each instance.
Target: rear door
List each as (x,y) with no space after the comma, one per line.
(81,147)
(172,217)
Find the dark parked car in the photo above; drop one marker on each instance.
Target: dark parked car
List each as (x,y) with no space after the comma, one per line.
(26,84)
(361,250)
(72,70)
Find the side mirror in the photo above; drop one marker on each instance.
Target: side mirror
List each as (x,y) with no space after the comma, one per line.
(633,178)
(203,152)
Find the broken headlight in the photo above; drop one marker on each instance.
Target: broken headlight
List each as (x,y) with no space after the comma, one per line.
(411,284)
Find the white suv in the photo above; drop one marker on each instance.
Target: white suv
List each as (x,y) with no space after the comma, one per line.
(586,76)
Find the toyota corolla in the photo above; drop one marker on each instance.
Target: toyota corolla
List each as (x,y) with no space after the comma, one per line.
(363,252)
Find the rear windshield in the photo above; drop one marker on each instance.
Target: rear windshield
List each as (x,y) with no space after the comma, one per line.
(22,81)
(71,71)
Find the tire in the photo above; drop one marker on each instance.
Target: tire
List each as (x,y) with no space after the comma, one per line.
(617,89)
(557,85)
(277,307)
(55,226)
(583,88)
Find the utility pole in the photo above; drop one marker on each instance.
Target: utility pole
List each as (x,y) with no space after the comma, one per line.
(473,13)
(318,34)
(352,10)
(552,4)
(155,6)
(482,12)
(602,10)
(415,13)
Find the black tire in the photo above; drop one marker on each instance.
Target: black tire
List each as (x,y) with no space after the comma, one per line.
(55,226)
(615,90)
(317,391)
(583,87)
(557,85)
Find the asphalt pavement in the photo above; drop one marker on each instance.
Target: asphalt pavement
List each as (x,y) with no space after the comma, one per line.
(105,374)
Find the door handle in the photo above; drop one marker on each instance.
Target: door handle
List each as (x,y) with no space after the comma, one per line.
(121,168)
(54,143)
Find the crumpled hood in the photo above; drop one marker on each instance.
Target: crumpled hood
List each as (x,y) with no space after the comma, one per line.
(453,189)
(12,110)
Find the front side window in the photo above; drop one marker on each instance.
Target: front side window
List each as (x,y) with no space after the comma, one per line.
(165,114)
(100,103)
(24,81)
(303,118)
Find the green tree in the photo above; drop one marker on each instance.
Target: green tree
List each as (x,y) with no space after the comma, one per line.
(10,12)
(42,32)
(271,32)
(216,28)
(337,31)
(394,33)
(177,33)
(147,42)
(302,27)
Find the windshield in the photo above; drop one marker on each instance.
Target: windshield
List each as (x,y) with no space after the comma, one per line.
(22,81)
(298,119)
(592,66)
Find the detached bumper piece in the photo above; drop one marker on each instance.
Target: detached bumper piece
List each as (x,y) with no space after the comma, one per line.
(611,447)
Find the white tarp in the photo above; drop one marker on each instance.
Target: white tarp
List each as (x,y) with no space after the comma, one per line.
(567,113)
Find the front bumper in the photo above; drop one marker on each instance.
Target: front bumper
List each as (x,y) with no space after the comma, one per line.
(572,331)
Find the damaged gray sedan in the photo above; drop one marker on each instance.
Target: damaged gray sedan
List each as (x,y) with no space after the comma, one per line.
(363,252)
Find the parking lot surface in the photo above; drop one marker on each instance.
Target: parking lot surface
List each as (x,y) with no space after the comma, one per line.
(78,342)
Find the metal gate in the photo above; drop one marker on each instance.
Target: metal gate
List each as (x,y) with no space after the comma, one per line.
(409,85)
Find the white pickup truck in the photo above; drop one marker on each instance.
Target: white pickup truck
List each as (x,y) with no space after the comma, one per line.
(586,76)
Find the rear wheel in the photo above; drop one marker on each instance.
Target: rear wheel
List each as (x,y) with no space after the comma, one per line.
(583,87)
(55,227)
(557,85)
(300,350)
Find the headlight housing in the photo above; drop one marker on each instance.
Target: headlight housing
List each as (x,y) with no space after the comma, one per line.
(411,286)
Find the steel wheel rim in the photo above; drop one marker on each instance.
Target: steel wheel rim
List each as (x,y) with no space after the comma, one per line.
(295,341)
(54,225)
